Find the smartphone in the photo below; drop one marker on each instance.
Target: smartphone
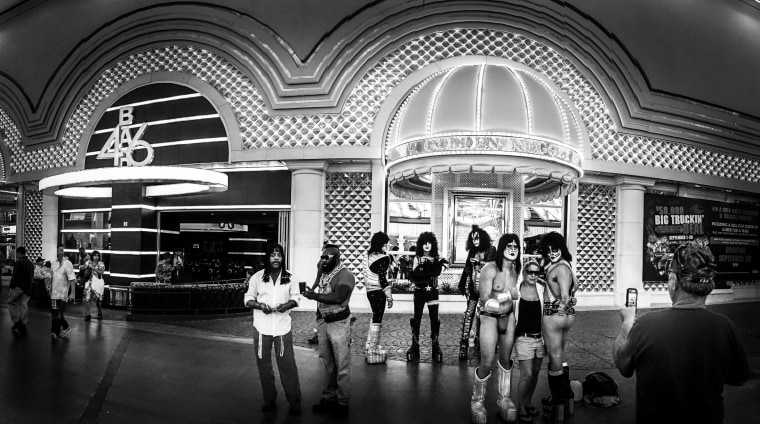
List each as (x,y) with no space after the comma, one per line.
(631,298)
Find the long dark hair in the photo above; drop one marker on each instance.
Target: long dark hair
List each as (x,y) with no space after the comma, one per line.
(503,242)
(485,241)
(554,239)
(425,237)
(95,252)
(379,239)
(272,247)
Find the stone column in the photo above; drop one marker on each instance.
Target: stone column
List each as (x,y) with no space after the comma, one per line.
(378,198)
(307,216)
(629,240)
(572,224)
(50,236)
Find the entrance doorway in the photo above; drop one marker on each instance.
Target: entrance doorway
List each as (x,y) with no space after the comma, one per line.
(218,245)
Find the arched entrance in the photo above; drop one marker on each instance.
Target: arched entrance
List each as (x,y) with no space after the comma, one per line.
(481,141)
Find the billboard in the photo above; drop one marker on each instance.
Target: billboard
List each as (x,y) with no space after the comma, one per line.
(729,230)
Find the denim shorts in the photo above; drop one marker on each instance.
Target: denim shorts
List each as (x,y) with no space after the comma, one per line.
(528,348)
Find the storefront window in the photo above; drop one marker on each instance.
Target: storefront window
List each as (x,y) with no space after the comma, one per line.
(539,219)
(88,230)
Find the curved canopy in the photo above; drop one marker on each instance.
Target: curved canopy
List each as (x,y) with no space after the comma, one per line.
(488,118)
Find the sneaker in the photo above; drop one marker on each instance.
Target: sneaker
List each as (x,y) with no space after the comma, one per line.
(53,337)
(65,332)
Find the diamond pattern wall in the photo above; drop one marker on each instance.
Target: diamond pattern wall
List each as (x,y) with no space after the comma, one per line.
(33,223)
(597,214)
(348,197)
(354,124)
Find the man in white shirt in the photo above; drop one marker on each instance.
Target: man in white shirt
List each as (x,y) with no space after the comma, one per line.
(272,293)
(61,291)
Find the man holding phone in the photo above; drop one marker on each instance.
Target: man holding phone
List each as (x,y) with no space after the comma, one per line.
(332,290)
(682,356)
(272,293)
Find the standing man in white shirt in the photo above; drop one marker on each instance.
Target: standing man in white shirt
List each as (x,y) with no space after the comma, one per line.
(272,293)
(61,291)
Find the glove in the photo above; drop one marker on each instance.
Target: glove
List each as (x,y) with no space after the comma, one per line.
(492,306)
(504,297)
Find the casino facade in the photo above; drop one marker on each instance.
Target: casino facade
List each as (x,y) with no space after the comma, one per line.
(210,128)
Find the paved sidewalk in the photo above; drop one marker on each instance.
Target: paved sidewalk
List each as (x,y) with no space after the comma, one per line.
(203,371)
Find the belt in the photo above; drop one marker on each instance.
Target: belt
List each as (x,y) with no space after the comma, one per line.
(530,335)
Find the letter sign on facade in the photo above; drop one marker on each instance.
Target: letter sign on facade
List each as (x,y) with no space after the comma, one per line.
(121,145)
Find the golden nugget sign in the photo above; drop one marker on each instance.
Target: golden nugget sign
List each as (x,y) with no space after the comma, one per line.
(121,145)
(486,145)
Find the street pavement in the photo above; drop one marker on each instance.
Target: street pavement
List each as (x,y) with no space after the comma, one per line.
(203,371)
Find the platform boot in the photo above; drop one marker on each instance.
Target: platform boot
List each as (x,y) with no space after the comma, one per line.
(435,328)
(569,401)
(507,408)
(413,353)
(375,354)
(554,405)
(478,413)
(464,343)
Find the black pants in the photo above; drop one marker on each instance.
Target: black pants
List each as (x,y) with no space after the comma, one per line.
(377,303)
(58,321)
(421,297)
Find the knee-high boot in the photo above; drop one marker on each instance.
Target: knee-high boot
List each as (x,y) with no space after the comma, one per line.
(413,353)
(375,353)
(554,406)
(569,402)
(435,328)
(507,408)
(467,319)
(478,413)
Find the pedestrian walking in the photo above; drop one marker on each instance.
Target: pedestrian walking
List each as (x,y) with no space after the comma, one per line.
(61,292)
(19,292)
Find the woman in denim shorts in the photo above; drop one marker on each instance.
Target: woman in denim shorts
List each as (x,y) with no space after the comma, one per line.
(529,343)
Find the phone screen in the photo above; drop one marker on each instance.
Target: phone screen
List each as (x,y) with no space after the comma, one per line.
(631,296)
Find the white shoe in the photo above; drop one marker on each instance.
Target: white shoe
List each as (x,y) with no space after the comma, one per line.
(65,332)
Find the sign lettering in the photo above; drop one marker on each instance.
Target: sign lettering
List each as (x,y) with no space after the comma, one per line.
(121,144)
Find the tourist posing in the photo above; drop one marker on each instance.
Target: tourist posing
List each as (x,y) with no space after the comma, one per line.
(272,293)
(529,343)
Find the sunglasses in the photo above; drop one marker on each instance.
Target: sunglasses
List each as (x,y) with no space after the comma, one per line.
(326,257)
(536,273)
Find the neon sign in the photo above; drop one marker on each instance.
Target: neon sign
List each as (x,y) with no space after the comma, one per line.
(121,144)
